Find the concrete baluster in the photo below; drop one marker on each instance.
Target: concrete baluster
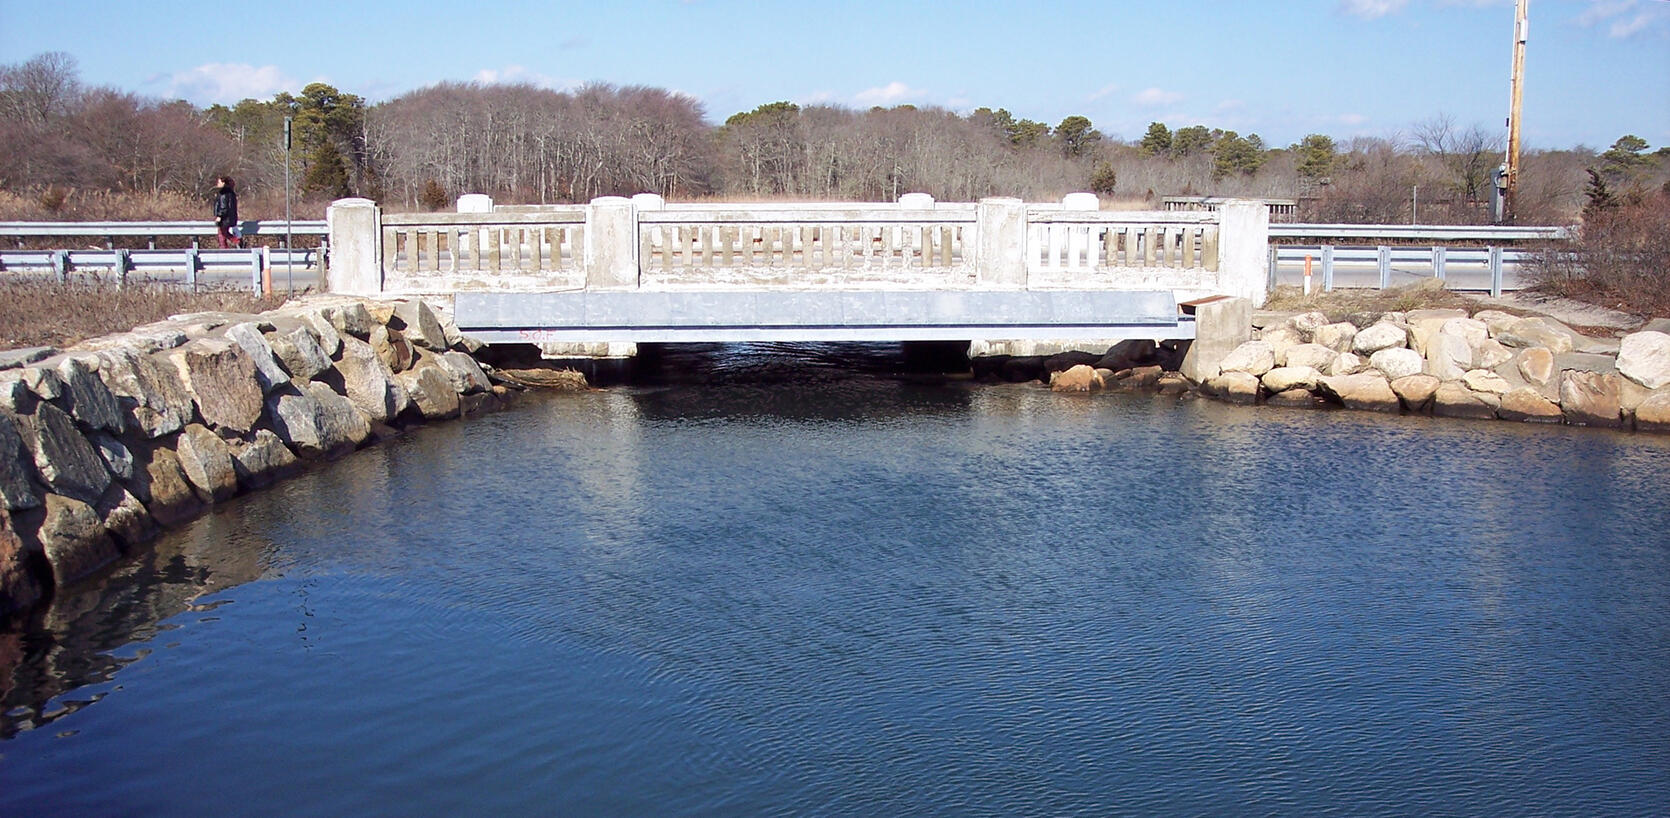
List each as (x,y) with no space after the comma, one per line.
(1000,244)
(356,259)
(611,254)
(1243,240)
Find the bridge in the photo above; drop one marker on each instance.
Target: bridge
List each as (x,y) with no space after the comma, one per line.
(643,270)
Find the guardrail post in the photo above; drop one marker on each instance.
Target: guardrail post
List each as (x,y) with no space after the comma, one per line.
(1495,271)
(255,269)
(1000,245)
(61,265)
(1327,268)
(1270,283)
(1439,255)
(1243,237)
(193,264)
(1385,260)
(611,252)
(356,235)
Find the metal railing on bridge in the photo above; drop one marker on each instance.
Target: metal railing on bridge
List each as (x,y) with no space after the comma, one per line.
(194,265)
(1487,252)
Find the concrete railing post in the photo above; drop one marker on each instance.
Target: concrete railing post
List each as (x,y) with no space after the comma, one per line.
(611,244)
(917,201)
(1000,246)
(1243,245)
(648,201)
(356,237)
(1081,202)
(475,203)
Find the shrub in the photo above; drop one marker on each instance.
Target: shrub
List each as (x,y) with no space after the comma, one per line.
(1620,257)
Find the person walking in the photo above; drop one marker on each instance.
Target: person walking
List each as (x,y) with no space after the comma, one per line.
(226,213)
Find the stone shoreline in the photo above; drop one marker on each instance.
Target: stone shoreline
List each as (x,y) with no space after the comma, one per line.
(105,444)
(1446,363)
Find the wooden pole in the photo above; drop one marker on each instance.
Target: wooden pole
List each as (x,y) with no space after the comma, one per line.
(1514,105)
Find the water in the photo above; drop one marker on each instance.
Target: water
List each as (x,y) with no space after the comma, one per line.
(773,588)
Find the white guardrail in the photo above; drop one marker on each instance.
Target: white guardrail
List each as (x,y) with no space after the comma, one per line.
(1480,249)
(193,265)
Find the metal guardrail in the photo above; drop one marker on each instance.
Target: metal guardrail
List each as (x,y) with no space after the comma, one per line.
(1437,258)
(152,230)
(195,264)
(1435,233)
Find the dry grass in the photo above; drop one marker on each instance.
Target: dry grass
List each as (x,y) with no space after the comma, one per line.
(45,313)
(1365,306)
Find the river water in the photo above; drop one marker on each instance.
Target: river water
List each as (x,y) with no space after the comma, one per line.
(770,582)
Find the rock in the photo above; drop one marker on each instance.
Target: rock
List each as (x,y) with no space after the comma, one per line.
(1416,391)
(124,517)
(1656,325)
(267,371)
(421,327)
(1440,315)
(1396,362)
(1315,356)
(1307,323)
(65,461)
(15,397)
(368,383)
(432,393)
(74,539)
(1365,391)
(1496,321)
(1590,398)
(1171,383)
(1644,357)
(1080,378)
(1142,377)
(13,358)
(1284,378)
(207,463)
(468,377)
(262,460)
(1527,405)
(1281,338)
(1454,400)
(43,382)
(162,486)
(150,393)
(1469,330)
(392,349)
(1347,363)
(1055,363)
(317,422)
(1483,380)
(1587,362)
(1234,387)
(90,401)
(1383,335)
(1127,354)
(1491,354)
(301,354)
(1538,332)
(1653,414)
(1295,399)
(329,339)
(1536,364)
(1448,357)
(17,483)
(352,319)
(1252,357)
(117,458)
(19,589)
(1337,337)
(221,379)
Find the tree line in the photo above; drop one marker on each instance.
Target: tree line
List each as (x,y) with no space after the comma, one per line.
(520,143)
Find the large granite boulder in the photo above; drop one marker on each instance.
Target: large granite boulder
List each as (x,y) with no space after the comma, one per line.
(19,589)
(1365,391)
(149,391)
(1496,321)
(368,383)
(1348,363)
(1491,354)
(301,353)
(1483,380)
(418,322)
(351,319)
(221,378)
(1285,378)
(261,461)
(1315,356)
(124,517)
(117,457)
(1384,335)
(392,348)
(268,373)
(468,377)
(65,461)
(1252,357)
(88,399)
(1591,398)
(1448,356)
(433,395)
(1644,357)
(1528,405)
(1653,414)
(161,484)
(424,389)
(316,422)
(1234,387)
(330,339)
(1455,400)
(17,479)
(74,540)
(1416,391)
(1337,336)
(207,463)
(1538,332)
(1396,362)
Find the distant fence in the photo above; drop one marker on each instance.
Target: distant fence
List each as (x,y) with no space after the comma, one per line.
(1487,248)
(194,265)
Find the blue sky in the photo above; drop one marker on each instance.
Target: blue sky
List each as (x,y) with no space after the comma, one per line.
(1596,69)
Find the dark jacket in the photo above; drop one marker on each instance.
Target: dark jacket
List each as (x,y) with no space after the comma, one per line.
(226,207)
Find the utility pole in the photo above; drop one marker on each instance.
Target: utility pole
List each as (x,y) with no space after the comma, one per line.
(289,245)
(1514,102)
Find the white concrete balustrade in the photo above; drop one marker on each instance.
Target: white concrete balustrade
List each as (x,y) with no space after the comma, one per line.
(644,243)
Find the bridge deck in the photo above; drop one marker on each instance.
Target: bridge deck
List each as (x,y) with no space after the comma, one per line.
(733,316)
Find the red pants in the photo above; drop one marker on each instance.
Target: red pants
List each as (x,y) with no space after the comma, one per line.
(226,237)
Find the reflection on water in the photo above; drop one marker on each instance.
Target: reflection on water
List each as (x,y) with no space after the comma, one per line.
(780,586)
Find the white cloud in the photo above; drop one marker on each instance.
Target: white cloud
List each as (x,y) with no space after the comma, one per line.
(1156,96)
(1626,18)
(1352,119)
(1371,9)
(227,83)
(516,74)
(1102,92)
(890,94)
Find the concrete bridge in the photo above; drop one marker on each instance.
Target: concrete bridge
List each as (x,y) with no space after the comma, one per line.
(641,270)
